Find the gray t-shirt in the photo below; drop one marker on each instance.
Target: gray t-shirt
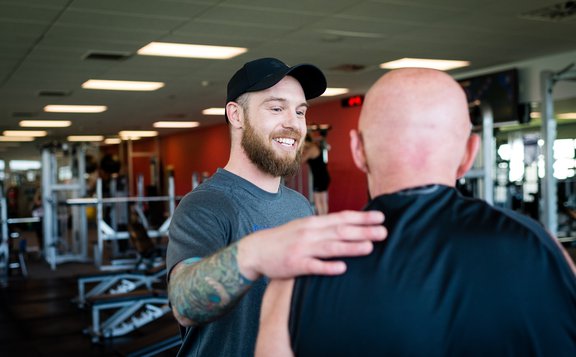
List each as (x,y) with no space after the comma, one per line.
(217,213)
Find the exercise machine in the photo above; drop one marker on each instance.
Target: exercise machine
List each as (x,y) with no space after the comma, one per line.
(61,246)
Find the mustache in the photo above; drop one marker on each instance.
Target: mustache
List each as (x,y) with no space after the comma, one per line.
(288,133)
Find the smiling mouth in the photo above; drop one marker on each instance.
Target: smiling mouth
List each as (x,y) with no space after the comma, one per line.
(285,141)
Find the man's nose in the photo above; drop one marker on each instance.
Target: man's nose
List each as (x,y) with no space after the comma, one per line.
(292,120)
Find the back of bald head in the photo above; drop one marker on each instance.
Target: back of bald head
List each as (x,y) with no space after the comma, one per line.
(415,119)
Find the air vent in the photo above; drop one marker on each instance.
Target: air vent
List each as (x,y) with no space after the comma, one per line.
(348,68)
(553,13)
(106,56)
(24,114)
(53,93)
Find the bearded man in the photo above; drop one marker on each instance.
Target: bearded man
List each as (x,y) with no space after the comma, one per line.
(232,231)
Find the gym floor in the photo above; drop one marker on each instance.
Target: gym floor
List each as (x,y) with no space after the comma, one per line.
(38,317)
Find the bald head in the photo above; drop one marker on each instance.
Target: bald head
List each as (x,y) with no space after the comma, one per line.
(414,129)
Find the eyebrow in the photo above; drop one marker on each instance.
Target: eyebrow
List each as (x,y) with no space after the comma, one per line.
(278,99)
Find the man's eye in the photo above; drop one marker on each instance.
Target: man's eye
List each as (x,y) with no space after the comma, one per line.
(277,109)
(300,113)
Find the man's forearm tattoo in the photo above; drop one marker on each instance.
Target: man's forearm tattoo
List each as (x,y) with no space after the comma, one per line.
(209,288)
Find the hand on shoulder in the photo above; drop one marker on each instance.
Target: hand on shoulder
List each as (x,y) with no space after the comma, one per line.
(299,247)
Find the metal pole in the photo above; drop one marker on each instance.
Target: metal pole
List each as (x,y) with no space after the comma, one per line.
(130,168)
(549,199)
(5,241)
(488,152)
(171,194)
(50,239)
(100,219)
(195,180)
(81,221)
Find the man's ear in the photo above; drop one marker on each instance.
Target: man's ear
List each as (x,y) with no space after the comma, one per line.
(357,149)
(235,117)
(469,155)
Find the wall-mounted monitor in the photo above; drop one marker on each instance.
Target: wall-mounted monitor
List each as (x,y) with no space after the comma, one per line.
(499,90)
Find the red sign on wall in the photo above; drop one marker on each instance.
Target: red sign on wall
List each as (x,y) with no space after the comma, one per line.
(354,101)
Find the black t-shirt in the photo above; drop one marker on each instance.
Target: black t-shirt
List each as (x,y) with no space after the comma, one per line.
(455,277)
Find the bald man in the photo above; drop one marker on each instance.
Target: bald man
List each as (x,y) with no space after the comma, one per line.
(456,276)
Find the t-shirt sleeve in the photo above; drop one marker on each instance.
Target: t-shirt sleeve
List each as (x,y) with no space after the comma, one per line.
(201,225)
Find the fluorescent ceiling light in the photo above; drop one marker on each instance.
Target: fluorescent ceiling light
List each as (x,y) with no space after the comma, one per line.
(112,141)
(137,133)
(567,116)
(442,65)
(335,91)
(214,111)
(190,51)
(25,133)
(45,123)
(75,108)
(122,85)
(85,138)
(176,124)
(24,165)
(16,138)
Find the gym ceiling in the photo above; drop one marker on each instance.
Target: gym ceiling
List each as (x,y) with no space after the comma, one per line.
(48,48)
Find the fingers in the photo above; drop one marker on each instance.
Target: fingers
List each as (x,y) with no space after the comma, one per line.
(299,247)
(349,217)
(352,232)
(329,249)
(345,225)
(321,267)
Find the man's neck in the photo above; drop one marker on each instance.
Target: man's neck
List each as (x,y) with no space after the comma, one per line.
(250,172)
(392,183)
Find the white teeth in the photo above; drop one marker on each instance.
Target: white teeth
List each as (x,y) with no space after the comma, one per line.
(285,141)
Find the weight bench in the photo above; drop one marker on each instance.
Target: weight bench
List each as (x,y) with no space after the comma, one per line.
(126,312)
(117,283)
(124,282)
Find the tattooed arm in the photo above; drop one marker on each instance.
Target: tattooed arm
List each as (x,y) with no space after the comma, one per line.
(202,290)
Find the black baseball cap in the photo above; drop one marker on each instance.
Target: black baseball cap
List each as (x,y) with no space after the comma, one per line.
(264,73)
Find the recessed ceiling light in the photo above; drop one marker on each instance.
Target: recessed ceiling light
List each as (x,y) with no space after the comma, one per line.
(25,133)
(85,138)
(24,165)
(566,116)
(190,51)
(335,91)
(176,124)
(214,111)
(137,133)
(442,65)
(112,141)
(53,108)
(16,138)
(122,85)
(45,123)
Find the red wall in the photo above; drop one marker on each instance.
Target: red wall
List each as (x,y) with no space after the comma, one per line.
(198,150)
(141,165)
(348,188)
(205,149)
